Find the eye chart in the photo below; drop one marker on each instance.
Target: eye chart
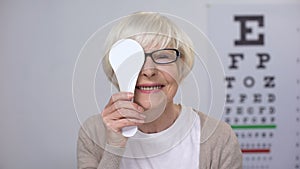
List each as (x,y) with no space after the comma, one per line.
(259,46)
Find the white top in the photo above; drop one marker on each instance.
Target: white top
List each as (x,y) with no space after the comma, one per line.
(176,147)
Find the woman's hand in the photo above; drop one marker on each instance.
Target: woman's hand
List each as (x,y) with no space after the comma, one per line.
(118,113)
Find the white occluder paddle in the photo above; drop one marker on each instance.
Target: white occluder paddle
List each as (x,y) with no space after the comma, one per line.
(127,58)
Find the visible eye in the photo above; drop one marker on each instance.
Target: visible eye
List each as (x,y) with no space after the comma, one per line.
(164,56)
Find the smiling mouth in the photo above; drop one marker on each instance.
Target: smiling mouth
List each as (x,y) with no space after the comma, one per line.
(150,88)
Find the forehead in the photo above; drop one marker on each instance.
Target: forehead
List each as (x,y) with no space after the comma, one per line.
(150,41)
(149,49)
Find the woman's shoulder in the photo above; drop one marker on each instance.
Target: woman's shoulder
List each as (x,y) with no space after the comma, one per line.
(91,123)
(219,145)
(93,129)
(216,134)
(211,126)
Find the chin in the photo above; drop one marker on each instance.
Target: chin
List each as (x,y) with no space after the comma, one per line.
(149,101)
(146,103)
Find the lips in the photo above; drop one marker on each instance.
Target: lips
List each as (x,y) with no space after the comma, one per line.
(148,88)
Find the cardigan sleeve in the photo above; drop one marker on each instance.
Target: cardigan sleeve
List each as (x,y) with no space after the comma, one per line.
(86,155)
(219,146)
(91,156)
(231,155)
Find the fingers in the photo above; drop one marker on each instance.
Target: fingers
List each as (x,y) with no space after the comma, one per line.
(117,125)
(127,113)
(120,96)
(123,105)
(122,112)
(121,100)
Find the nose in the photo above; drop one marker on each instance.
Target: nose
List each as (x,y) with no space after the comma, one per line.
(149,68)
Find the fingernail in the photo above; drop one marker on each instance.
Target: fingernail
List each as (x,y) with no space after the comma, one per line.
(140,109)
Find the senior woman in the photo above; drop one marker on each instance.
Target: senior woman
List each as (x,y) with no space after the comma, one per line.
(169,135)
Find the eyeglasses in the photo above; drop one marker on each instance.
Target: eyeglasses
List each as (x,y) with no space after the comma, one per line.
(164,56)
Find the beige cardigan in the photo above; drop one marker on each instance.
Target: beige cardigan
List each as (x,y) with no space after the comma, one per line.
(219,146)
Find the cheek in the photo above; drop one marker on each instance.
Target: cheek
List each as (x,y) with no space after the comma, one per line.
(142,100)
(173,88)
(172,77)
(170,73)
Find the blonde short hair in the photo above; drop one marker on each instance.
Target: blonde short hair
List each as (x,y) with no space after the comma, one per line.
(150,29)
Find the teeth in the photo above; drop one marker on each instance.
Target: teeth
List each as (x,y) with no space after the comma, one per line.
(150,87)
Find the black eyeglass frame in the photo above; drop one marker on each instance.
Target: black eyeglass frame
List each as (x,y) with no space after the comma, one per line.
(178,54)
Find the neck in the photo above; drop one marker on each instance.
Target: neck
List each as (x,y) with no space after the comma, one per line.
(167,118)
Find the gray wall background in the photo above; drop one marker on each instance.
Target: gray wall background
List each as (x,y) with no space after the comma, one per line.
(39,44)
